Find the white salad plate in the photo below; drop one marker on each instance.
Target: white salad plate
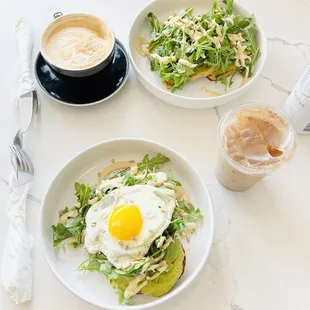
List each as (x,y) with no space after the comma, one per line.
(94,287)
(192,95)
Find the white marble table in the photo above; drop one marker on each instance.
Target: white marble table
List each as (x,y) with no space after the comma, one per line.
(261,253)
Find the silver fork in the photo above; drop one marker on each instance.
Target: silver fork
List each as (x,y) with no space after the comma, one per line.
(18,139)
(22,165)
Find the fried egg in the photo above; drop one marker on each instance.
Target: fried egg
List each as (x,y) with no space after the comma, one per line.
(124,224)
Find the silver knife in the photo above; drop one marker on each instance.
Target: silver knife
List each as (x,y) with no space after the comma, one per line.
(26,108)
(28,99)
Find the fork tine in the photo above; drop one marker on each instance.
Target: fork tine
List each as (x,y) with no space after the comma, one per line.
(29,164)
(26,163)
(18,139)
(21,157)
(22,165)
(17,157)
(14,160)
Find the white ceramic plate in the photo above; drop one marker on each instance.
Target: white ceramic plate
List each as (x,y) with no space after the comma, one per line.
(191,96)
(93,287)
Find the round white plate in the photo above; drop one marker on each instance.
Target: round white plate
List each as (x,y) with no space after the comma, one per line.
(94,287)
(191,96)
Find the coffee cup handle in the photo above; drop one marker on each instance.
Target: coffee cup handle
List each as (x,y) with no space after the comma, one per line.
(57,14)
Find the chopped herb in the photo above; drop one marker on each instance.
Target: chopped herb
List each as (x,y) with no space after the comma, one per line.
(152,164)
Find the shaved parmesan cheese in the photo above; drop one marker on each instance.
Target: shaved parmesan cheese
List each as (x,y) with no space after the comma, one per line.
(187,63)
(166,33)
(241,56)
(230,20)
(163,60)
(234,38)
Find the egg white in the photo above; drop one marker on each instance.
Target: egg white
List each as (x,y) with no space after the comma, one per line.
(156,206)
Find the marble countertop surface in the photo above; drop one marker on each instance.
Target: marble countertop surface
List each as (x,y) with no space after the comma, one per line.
(260,258)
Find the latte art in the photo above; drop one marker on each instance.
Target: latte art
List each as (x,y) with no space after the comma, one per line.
(76,47)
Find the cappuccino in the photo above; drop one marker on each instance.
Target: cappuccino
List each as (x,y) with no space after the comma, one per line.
(78,47)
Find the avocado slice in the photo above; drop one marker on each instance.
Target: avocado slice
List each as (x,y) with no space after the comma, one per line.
(175,258)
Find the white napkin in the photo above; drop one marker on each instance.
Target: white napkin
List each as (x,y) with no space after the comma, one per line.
(16,269)
(24,38)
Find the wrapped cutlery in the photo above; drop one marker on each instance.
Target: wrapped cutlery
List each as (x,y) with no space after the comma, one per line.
(16,269)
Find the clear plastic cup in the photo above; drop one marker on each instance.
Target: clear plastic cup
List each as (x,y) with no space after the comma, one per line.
(254,140)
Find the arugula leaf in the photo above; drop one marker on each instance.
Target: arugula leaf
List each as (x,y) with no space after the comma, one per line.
(184,213)
(94,262)
(171,179)
(229,5)
(223,79)
(72,228)
(82,192)
(154,22)
(60,233)
(249,34)
(62,212)
(98,262)
(177,225)
(133,270)
(76,226)
(129,179)
(195,215)
(121,298)
(152,164)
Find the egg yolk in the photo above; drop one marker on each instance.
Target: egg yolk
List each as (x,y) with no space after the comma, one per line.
(125,222)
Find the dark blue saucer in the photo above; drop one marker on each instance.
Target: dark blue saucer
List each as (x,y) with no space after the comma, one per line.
(84,90)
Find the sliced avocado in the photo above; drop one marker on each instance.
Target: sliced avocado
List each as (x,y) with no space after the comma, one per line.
(202,68)
(175,258)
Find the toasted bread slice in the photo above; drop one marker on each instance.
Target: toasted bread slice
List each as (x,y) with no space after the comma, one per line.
(204,72)
(169,84)
(228,73)
(201,74)
(196,76)
(212,77)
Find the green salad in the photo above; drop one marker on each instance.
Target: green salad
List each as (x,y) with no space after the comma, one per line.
(131,223)
(187,46)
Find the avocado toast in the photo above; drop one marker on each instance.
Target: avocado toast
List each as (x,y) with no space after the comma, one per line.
(131,224)
(187,46)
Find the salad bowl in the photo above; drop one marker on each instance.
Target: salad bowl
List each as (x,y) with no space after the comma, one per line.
(199,93)
(83,168)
